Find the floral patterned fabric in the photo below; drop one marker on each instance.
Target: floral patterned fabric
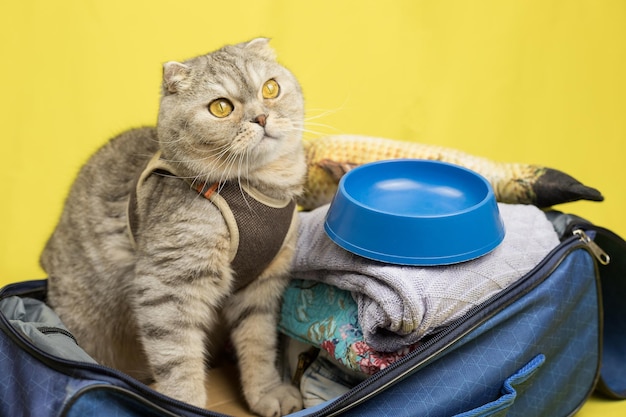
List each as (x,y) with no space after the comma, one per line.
(327,317)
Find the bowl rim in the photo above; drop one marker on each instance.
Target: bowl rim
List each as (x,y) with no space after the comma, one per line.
(472,174)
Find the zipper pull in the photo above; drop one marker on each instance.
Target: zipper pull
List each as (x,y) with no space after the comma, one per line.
(597,251)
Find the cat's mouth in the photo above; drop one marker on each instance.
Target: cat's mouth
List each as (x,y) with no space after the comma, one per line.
(262,144)
(271,132)
(263,134)
(268,136)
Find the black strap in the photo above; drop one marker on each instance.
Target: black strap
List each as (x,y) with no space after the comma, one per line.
(613,281)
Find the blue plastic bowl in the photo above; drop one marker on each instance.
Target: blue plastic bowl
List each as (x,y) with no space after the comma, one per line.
(415,212)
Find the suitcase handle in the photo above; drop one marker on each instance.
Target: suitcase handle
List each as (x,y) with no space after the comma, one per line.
(513,386)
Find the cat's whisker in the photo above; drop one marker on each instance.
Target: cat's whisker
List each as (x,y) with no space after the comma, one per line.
(320,125)
(240,163)
(246,165)
(324,112)
(217,153)
(227,165)
(317,133)
(310,133)
(320,128)
(308,121)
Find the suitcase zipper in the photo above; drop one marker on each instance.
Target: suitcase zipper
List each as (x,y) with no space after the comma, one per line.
(55,330)
(455,331)
(67,407)
(594,248)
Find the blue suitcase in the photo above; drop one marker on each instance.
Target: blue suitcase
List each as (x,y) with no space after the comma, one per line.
(539,348)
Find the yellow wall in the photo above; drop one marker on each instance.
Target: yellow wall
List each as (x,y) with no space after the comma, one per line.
(530,81)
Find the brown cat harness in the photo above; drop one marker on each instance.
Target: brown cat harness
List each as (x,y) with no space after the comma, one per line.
(258,224)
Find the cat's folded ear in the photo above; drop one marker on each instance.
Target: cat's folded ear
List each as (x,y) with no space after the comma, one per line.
(261,47)
(175,77)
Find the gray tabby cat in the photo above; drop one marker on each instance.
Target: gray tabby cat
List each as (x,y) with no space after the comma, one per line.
(156,302)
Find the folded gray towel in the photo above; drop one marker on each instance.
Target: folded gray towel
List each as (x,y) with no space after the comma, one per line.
(398,305)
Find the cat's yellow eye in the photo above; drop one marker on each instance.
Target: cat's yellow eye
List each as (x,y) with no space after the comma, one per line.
(221,107)
(271,89)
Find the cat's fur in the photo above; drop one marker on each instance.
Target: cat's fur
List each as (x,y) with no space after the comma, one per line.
(156,310)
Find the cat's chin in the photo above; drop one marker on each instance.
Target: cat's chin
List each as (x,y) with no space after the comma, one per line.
(267,151)
(266,146)
(263,152)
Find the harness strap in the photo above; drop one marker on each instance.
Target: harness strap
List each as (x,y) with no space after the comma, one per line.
(258,224)
(155,164)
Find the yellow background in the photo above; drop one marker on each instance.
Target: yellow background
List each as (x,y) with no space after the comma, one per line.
(527,81)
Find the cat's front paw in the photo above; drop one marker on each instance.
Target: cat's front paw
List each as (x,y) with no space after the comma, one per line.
(282,400)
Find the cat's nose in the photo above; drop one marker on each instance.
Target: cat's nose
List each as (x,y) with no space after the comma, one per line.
(260,119)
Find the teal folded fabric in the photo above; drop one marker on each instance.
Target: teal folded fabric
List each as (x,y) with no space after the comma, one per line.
(327,317)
